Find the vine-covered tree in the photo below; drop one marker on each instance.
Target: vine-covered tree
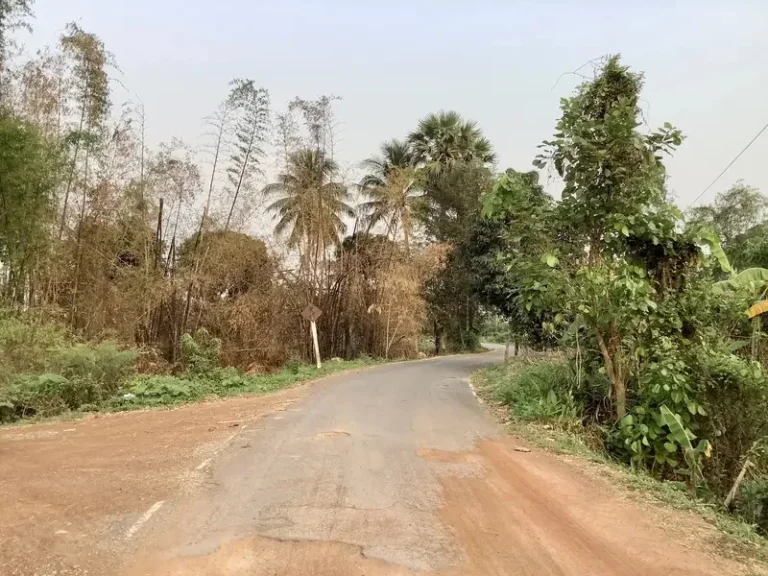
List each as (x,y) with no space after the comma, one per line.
(613,173)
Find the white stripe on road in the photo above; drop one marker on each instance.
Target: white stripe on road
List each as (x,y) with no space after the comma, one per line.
(471,387)
(143,520)
(205,463)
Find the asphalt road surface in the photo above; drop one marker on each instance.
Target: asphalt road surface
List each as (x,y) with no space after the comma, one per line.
(400,470)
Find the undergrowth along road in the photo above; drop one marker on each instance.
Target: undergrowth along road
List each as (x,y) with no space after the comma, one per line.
(159,390)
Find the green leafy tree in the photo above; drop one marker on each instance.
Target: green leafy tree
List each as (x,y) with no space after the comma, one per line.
(613,173)
(455,157)
(505,253)
(733,213)
(738,216)
(448,211)
(614,197)
(750,249)
(613,300)
(31,171)
(452,201)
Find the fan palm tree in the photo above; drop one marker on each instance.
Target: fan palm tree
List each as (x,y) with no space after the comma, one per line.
(311,206)
(392,185)
(445,139)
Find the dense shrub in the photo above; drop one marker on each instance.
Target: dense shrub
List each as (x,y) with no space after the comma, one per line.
(542,391)
(43,395)
(103,364)
(43,373)
(25,345)
(159,389)
(735,394)
(752,504)
(201,353)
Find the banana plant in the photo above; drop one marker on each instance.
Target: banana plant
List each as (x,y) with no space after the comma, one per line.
(753,281)
(679,434)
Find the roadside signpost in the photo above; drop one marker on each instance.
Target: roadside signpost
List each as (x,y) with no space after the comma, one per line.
(312,313)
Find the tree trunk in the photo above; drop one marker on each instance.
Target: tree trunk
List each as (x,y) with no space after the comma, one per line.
(159,235)
(407,238)
(610,353)
(79,245)
(201,229)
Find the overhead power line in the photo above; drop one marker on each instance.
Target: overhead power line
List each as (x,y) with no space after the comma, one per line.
(732,162)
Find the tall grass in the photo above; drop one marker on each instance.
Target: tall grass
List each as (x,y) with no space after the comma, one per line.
(540,391)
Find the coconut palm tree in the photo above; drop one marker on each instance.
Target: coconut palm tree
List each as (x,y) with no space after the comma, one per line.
(445,139)
(311,206)
(393,187)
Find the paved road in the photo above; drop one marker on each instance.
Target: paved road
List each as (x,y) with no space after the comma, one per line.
(343,466)
(395,471)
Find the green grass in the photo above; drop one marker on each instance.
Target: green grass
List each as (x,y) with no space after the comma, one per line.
(45,372)
(152,390)
(740,540)
(222,383)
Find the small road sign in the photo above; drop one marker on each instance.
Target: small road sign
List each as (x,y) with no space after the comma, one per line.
(311,313)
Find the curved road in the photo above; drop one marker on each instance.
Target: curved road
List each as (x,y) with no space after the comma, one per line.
(400,470)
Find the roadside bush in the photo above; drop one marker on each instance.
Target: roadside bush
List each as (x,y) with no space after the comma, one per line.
(159,389)
(25,345)
(201,353)
(293,365)
(665,412)
(71,377)
(542,391)
(41,395)
(735,393)
(104,365)
(752,504)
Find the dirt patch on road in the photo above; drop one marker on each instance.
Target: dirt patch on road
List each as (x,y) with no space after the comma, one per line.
(270,557)
(532,515)
(70,490)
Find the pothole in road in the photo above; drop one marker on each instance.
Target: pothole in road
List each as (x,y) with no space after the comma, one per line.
(263,556)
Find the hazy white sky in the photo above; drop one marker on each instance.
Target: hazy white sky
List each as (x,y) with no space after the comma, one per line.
(706,66)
